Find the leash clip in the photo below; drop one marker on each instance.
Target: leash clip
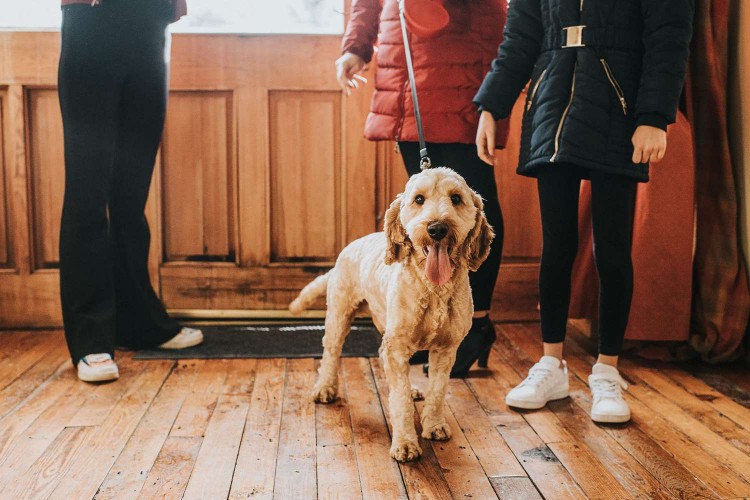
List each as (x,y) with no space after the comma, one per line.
(425,163)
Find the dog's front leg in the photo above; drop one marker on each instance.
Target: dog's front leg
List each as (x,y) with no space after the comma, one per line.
(434,425)
(395,357)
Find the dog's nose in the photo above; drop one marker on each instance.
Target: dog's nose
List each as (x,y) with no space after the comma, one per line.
(437,230)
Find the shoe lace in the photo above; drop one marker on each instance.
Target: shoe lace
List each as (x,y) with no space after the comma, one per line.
(538,375)
(606,387)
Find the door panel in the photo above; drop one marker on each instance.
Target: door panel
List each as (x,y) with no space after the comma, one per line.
(199,178)
(47,161)
(305,167)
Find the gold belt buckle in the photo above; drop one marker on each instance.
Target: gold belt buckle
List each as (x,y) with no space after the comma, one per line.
(574,37)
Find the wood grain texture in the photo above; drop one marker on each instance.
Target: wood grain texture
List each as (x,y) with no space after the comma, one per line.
(169,476)
(305,178)
(295,463)
(102,447)
(424,477)
(256,460)
(128,474)
(47,162)
(41,479)
(379,478)
(198,177)
(5,243)
(251,429)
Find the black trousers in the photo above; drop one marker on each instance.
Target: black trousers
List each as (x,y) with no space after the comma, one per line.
(480,177)
(113,94)
(612,207)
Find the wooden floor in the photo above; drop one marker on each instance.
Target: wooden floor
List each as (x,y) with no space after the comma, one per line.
(247,428)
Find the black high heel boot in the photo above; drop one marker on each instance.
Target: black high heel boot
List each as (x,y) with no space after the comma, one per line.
(475,347)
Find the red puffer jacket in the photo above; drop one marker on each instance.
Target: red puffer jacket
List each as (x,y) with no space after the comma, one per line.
(449,68)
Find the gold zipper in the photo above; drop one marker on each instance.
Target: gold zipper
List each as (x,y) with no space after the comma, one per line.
(616,86)
(536,87)
(565,115)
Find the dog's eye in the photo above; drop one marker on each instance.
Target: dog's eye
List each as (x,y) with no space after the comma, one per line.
(455,199)
(419,200)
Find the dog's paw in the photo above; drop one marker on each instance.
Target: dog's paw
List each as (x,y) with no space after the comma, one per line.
(416,394)
(437,432)
(406,451)
(324,394)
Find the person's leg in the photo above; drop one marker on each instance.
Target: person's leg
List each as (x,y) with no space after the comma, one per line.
(558,187)
(141,318)
(89,83)
(612,208)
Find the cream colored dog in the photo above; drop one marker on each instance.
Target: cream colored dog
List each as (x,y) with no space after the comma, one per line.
(414,278)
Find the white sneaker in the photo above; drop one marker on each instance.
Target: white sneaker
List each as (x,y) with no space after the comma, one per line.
(188,337)
(606,388)
(97,368)
(547,381)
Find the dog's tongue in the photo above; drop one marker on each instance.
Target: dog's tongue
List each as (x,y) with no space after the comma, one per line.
(438,267)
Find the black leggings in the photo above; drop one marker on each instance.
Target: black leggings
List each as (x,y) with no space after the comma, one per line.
(113,95)
(481,178)
(612,207)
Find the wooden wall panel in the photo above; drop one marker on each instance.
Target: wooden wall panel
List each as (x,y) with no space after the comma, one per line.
(199,178)
(5,251)
(305,176)
(518,197)
(47,166)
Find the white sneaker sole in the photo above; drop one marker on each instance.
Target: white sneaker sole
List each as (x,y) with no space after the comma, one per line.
(182,342)
(98,377)
(536,405)
(610,419)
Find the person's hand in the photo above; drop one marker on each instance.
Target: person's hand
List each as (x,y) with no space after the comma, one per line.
(649,144)
(347,67)
(486,137)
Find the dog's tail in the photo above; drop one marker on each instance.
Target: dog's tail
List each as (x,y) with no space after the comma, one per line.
(309,294)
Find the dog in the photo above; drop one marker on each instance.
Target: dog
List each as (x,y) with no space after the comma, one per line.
(414,278)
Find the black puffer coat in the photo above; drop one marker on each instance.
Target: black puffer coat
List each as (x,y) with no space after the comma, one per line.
(584,102)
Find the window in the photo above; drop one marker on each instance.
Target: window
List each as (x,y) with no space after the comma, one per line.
(263,16)
(206,16)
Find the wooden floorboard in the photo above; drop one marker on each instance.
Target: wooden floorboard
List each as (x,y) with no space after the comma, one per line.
(248,429)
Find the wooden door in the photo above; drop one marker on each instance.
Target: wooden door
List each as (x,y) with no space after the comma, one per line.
(264,175)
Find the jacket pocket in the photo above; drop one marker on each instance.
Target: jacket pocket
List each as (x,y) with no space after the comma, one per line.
(535,88)
(616,86)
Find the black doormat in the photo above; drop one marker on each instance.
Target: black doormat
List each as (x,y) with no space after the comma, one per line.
(290,340)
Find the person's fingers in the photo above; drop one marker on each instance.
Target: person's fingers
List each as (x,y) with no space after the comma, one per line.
(637,154)
(482,148)
(490,138)
(341,77)
(661,153)
(360,78)
(353,83)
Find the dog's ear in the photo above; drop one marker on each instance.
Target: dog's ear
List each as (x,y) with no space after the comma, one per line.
(477,243)
(399,245)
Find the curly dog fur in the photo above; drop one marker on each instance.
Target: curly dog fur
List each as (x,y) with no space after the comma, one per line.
(414,279)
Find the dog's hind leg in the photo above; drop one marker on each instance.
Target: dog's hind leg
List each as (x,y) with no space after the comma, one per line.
(339,316)
(434,425)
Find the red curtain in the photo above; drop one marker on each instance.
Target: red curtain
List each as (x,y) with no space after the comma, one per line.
(721,299)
